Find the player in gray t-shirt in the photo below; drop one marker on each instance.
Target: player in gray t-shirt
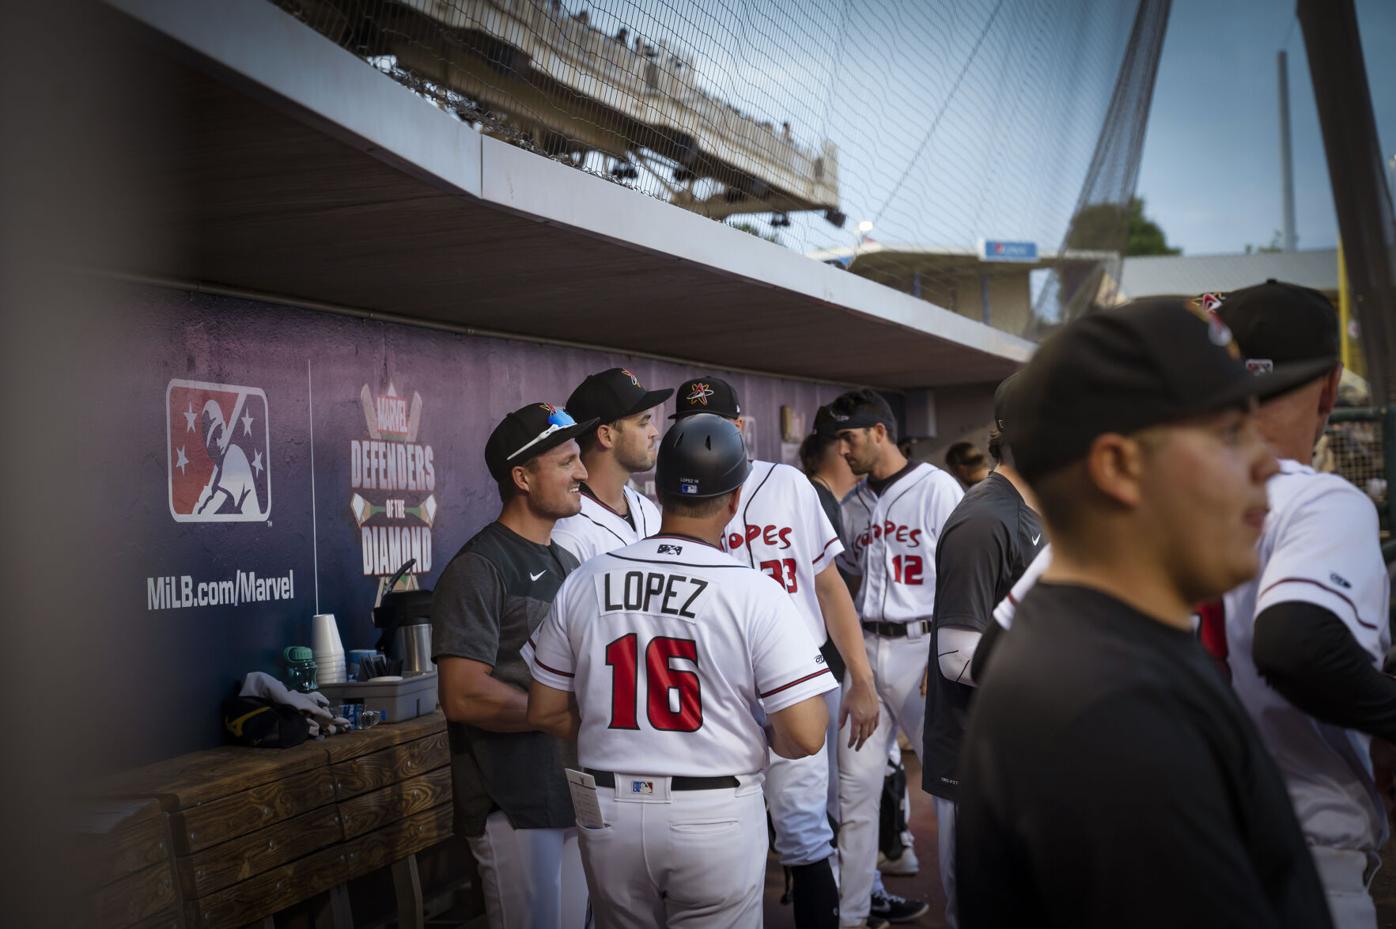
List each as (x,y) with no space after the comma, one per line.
(511,798)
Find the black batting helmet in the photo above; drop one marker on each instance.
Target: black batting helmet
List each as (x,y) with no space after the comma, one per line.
(702,455)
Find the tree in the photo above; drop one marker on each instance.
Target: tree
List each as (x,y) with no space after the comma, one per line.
(1118,227)
(1276,242)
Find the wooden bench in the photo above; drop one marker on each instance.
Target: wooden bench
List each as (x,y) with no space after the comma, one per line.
(251,832)
(124,867)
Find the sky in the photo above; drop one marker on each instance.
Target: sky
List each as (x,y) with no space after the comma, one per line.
(1210,172)
(956,120)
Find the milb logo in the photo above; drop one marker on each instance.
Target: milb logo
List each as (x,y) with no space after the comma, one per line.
(218,446)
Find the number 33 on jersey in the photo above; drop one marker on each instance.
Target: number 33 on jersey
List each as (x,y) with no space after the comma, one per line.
(666,644)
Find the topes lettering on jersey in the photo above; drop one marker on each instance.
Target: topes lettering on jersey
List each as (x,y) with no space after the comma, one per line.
(770,535)
(898,532)
(781,530)
(669,645)
(892,542)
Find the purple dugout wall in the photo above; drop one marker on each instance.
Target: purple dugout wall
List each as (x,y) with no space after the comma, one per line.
(343,446)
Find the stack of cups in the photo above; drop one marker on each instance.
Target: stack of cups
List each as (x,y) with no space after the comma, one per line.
(329,651)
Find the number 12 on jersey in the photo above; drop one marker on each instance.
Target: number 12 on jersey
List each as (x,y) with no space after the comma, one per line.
(908,569)
(673,696)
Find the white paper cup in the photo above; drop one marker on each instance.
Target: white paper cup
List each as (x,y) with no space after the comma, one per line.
(324,638)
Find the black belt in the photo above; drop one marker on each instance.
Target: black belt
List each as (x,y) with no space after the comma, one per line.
(608,779)
(897,630)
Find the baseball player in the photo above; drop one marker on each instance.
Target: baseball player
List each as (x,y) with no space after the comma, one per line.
(663,659)
(986,545)
(781,530)
(621,444)
(1305,640)
(1006,609)
(511,798)
(1108,777)
(894,518)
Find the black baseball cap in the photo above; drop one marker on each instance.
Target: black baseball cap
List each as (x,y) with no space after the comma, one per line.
(859,409)
(824,422)
(611,395)
(703,455)
(1278,324)
(1003,397)
(706,395)
(1127,368)
(527,433)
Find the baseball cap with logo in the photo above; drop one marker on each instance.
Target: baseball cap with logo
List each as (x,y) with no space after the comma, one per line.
(858,409)
(527,433)
(1278,325)
(1147,363)
(611,395)
(706,395)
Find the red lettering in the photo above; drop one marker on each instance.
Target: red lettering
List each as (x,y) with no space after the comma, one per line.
(752,532)
(916,537)
(901,533)
(889,527)
(785,537)
(734,541)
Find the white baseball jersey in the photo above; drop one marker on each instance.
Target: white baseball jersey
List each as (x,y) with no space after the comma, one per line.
(1003,613)
(1320,546)
(598,528)
(670,646)
(893,538)
(781,530)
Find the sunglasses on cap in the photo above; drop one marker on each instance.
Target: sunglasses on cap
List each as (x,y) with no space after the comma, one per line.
(558,420)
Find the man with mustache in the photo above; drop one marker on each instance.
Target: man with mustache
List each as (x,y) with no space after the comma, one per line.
(1109,777)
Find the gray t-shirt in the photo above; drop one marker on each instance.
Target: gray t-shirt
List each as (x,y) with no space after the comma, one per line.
(490,598)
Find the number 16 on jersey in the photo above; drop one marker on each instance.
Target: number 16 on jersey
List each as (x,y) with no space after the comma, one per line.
(673,696)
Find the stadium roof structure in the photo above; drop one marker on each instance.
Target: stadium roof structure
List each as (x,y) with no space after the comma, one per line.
(879,261)
(996,292)
(305,174)
(1157,275)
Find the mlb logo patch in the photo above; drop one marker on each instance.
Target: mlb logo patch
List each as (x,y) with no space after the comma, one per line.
(688,485)
(218,452)
(642,787)
(671,549)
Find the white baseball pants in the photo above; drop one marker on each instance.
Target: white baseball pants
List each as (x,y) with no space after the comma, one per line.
(898,665)
(1344,874)
(798,796)
(531,878)
(683,859)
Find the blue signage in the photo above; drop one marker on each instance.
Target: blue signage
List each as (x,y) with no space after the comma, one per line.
(995,250)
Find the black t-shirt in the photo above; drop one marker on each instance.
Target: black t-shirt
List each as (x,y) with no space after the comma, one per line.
(492,595)
(1110,778)
(988,542)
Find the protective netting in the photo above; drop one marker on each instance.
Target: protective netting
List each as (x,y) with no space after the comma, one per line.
(1353,447)
(900,138)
